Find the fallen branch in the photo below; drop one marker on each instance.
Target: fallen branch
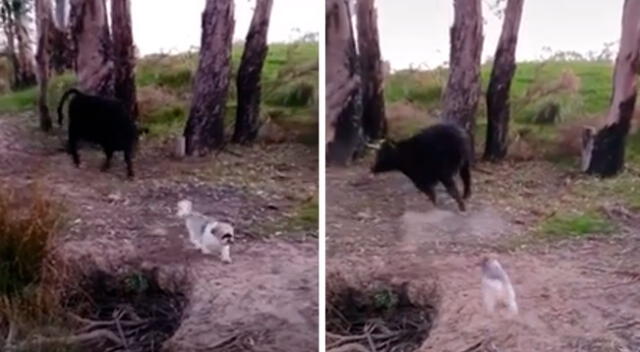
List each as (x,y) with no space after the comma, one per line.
(474,347)
(623,326)
(349,348)
(86,338)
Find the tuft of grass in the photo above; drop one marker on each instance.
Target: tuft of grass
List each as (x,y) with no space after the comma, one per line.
(385,299)
(306,215)
(577,224)
(423,88)
(30,277)
(26,235)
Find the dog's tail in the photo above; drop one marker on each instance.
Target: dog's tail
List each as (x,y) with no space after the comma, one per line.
(62,100)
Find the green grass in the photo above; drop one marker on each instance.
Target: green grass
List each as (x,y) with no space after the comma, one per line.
(576,224)
(306,215)
(22,100)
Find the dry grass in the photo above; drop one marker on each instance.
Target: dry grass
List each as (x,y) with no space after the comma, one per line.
(30,275)
(28,224)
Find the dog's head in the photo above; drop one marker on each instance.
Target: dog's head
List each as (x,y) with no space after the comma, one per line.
(224,231)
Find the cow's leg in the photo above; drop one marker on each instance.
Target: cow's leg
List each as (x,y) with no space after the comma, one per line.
(429,191)
(465,174)
(72,148)
(107,160)
(129,162)
(452,189)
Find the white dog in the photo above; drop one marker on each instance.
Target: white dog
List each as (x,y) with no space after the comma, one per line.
(496,287)
(206,233)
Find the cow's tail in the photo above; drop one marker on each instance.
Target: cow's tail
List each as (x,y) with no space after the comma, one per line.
(62,100)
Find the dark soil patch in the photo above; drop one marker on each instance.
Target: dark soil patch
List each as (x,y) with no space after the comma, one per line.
(381,315)
(133,306)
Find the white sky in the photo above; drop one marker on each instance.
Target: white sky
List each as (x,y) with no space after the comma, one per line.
(416,32)
(170,25)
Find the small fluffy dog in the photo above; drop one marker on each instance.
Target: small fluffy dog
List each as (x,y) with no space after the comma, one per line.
(206,233)
(496,287)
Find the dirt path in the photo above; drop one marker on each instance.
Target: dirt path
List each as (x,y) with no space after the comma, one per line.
(574,295)
(268,296)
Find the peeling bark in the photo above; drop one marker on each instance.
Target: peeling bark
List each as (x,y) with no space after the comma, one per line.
(343,88)
(205,128)
(374,123)
(605,149)
(43,26)
(248,80)
(504,67)
(92,46)
(461,96)
(124,57)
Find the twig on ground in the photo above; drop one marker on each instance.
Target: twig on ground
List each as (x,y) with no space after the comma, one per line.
(351,347)
(474,347)
(623,326)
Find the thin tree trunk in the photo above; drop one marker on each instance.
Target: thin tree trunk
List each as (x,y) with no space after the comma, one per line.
(9,32)
(463,86)
(124,57)
(26,56)
(249,73)
(604,150)
(61,13)
(374,123)
(344,96)
(92,46)
(205,128)
(504,67)
(43,23)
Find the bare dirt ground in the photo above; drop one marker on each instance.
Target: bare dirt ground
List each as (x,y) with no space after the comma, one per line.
(575,294)
(266,300)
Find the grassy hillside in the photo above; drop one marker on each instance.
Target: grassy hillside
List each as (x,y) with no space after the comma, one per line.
(581,89)
(164,82)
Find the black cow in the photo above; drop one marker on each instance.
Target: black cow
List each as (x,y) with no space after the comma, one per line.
(436,154)
(102,121)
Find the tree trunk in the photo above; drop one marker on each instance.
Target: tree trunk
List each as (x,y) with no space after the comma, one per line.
(43,24)
(604,150)
(343,89)
(374,123)
(9,32)
(92,46)
(25,52)
(61,13)
(62,55)
(205,128)
(249,73)
(504,67)
(124,57)
(463,86)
